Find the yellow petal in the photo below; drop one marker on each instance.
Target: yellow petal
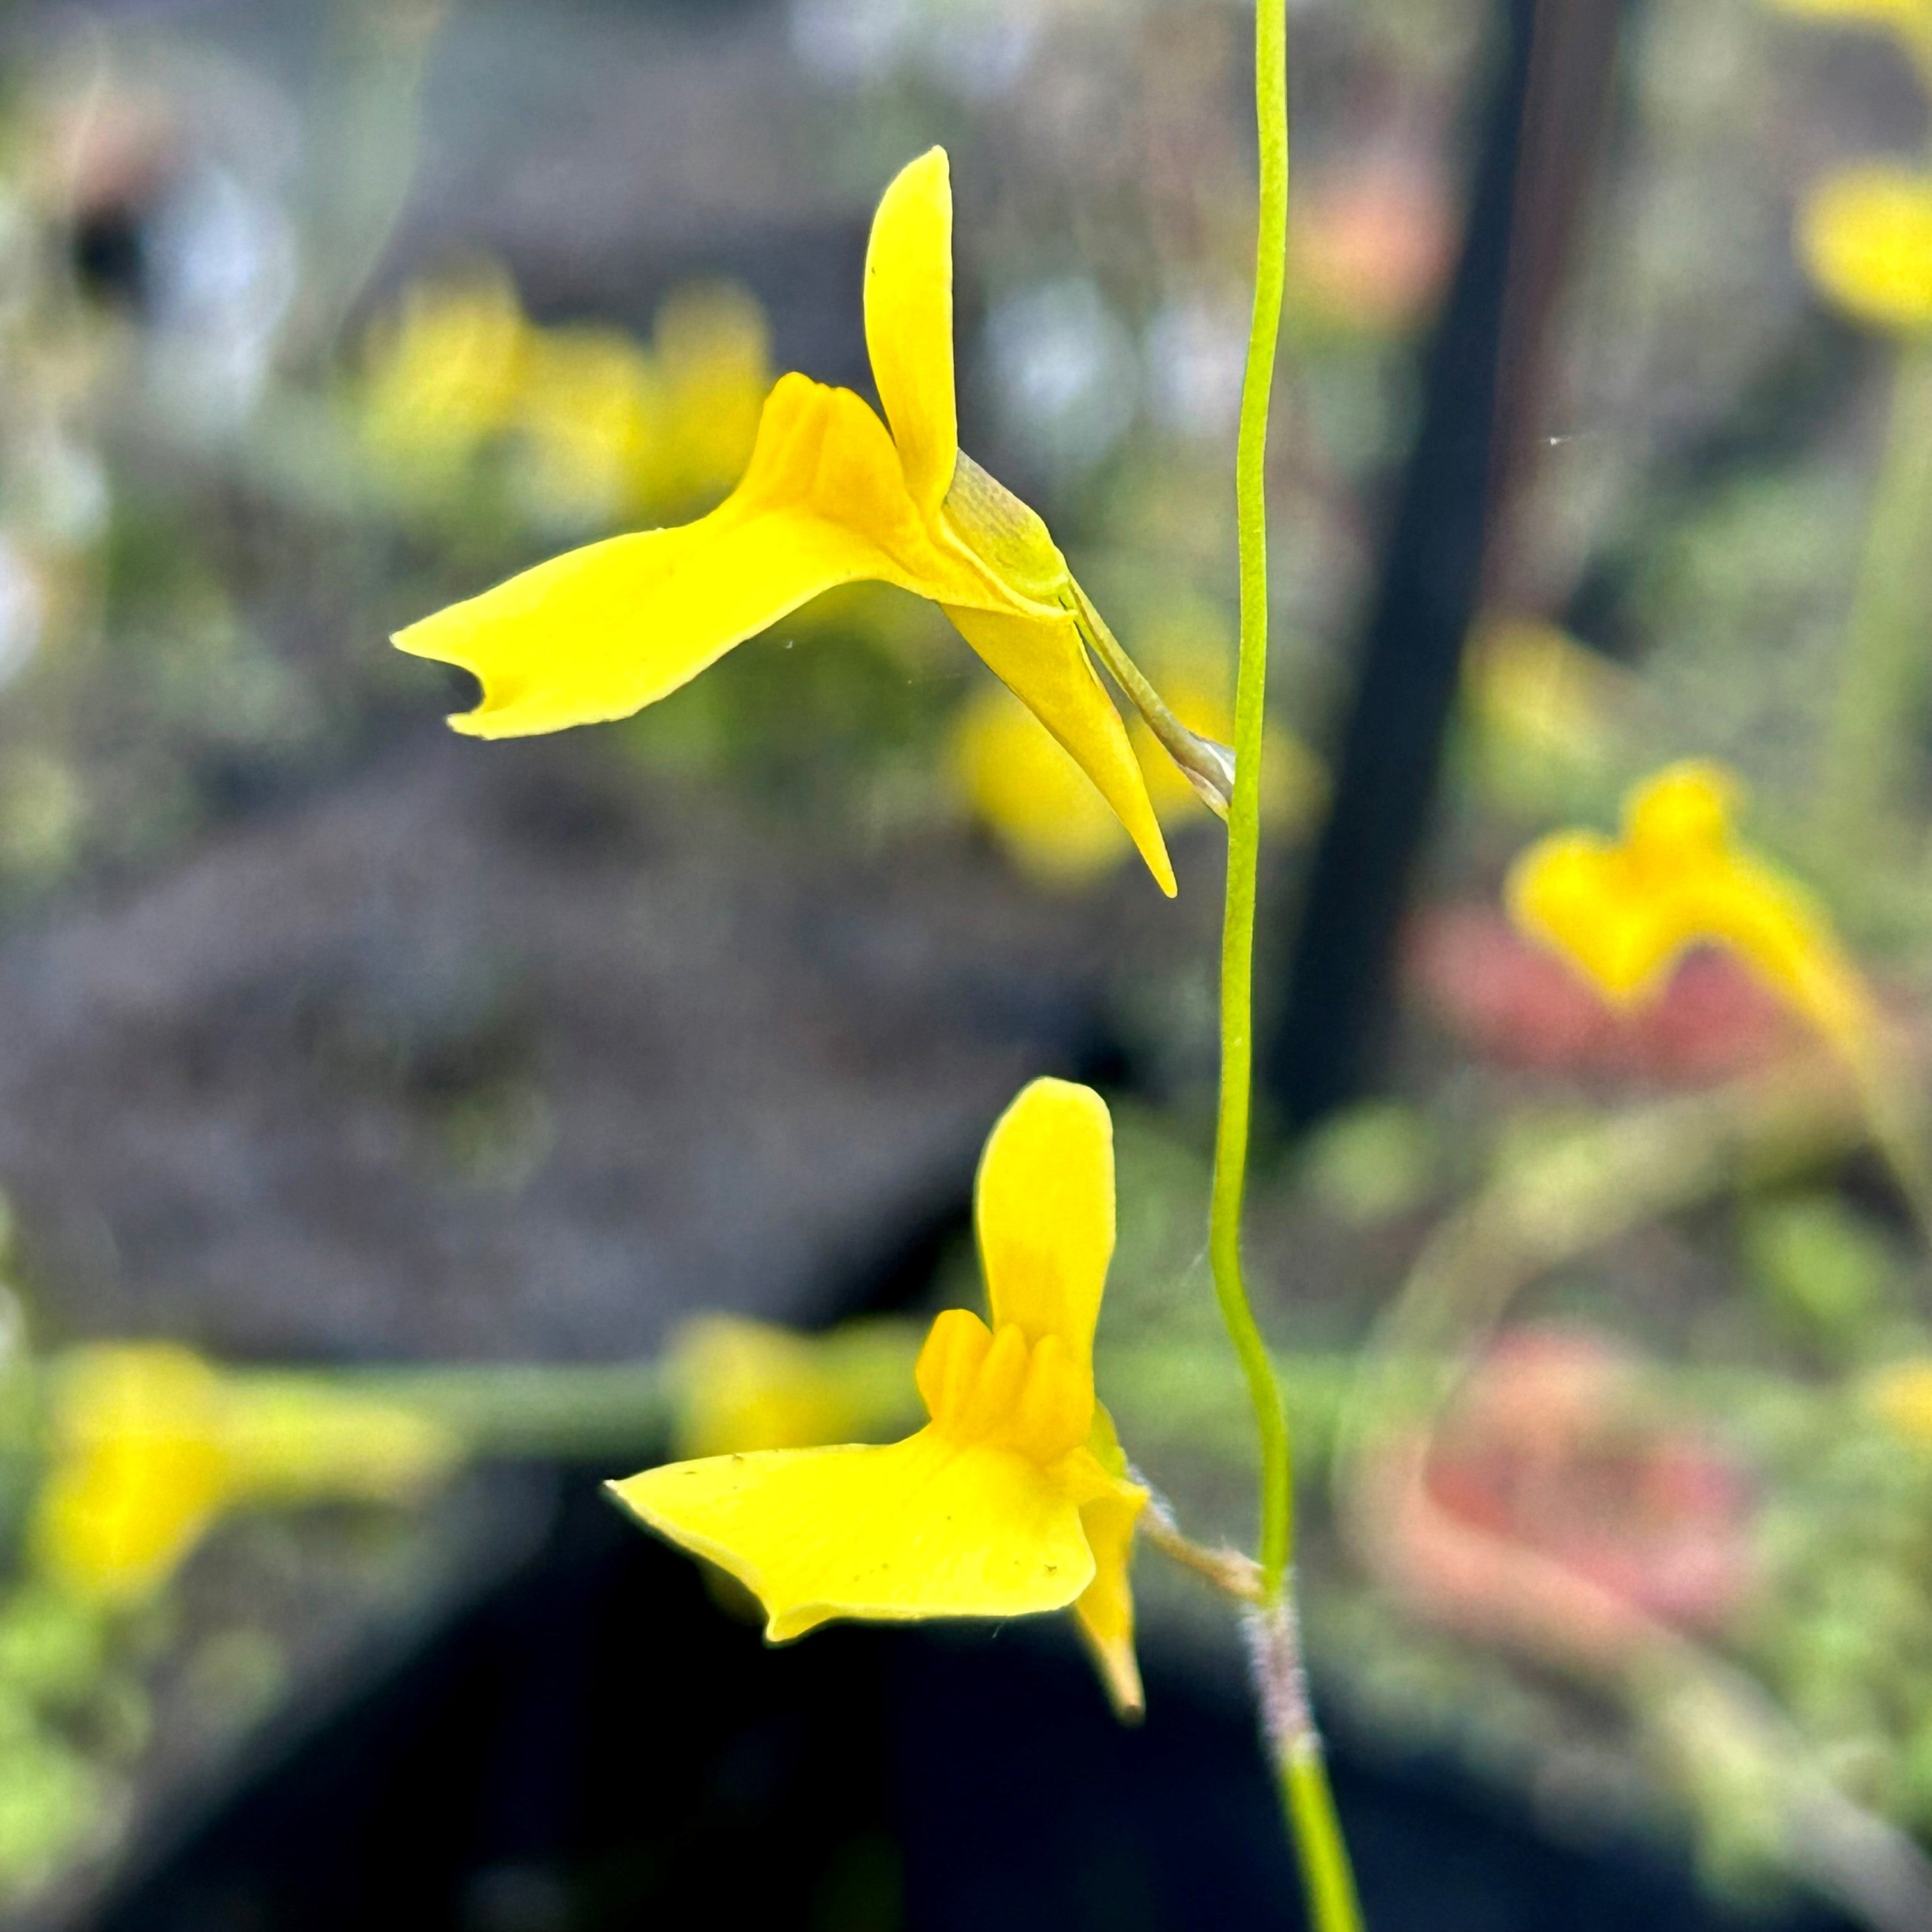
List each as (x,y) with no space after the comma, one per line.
(601,631)
(1866,237)
(1104,1610)
(1776,927)
(1570,892)
(1043,663)
(1888,11)
(909,322)
(924,1527)
(1043,1206)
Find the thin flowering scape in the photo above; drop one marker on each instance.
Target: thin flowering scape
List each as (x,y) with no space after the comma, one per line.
(831,496)
(1014,1498)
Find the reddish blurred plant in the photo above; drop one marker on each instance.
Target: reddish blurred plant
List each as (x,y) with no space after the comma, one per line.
(1557,1507)
(1509,1001)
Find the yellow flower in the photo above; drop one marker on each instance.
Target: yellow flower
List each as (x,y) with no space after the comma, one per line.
(1536,687)
(1866,237)
(740,1385)
(1014,1498)
(713,353)
(1052,824)
(150,1443)
(1900,1396)
(1886,10)
(444,373)
(830,497)
(1623,913)
(1907,16)
(590,412)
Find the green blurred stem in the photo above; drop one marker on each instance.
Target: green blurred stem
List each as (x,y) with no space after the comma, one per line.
(562,1412)
(1876,715)
(1293,1740)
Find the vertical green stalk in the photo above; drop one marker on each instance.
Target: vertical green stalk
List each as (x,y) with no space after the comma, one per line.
(1876,714)
(1237,918)
(1274,1640)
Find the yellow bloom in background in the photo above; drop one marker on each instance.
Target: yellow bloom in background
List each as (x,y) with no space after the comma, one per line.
(1534,685)
(1865,236)
(1036,802)
(1624,912)
(444,373)
(740,1385)
(1900,1396)
(1542,708)
(713,353)
(830,497)
(1886,11)
(1014,1498)
(150,1444)
(597,425)
(589,417)
(1910,20)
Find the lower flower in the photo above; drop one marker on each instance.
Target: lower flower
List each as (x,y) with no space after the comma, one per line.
(1014,1497)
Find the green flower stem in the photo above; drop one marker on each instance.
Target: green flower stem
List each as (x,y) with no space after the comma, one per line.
(1237,921)
(1293,1740)
(1876,714)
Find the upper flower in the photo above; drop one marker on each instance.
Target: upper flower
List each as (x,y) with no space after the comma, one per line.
(830,497)
(1014,1498)
(1624,912)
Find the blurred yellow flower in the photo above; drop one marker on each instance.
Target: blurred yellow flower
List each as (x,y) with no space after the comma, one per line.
(1035,801)
(1014,1498)
(740,1385)
(1624,912)
(150,1444)
(1910,19)
(598,425)
(1888,11)
(1900,1396)
(589,418)
(1865,236)
(831,497)
(1535,685)
(444,373)
(1055,826)
(713,349)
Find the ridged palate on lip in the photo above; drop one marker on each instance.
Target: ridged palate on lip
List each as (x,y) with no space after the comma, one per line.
(979,1386)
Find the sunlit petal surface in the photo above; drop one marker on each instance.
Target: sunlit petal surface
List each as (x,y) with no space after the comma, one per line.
(924,1527)
(909,323)
(1044,1212)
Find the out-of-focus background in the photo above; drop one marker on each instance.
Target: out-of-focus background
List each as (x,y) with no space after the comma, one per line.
(409,1097)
